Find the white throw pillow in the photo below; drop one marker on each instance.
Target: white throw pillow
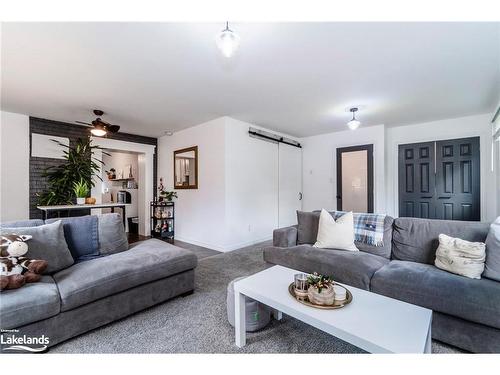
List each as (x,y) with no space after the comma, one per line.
(336,234)
(460,257)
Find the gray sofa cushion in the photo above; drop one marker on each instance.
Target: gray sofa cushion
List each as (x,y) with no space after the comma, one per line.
(352,268)
(492,266)
(144,262)
(48,243)
(307,231)
(81,235)
(30,303)
(285,237)
(428,286)
(112,236)
(22,223)
(416,240)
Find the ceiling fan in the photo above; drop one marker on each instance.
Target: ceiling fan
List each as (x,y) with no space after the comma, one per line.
(99,127)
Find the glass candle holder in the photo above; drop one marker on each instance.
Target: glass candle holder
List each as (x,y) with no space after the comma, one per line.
(301,284)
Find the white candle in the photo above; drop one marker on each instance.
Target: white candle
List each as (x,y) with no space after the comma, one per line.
(340,293)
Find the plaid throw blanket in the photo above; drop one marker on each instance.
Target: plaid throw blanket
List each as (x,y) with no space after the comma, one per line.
(368,228)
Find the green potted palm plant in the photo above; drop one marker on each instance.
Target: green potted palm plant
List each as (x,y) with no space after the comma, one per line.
(81,191)
(79,164)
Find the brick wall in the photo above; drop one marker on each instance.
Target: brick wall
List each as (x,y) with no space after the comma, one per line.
(38,183)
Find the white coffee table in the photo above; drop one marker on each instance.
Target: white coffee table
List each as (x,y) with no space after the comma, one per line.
(371,322)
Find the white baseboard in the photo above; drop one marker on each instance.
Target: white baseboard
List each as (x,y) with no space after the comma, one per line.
(222,248)
(200,243)
(247,243)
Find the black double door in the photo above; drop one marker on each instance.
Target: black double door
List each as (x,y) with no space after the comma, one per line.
(440,180)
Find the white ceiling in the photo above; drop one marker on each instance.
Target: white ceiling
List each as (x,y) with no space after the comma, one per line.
(297,78)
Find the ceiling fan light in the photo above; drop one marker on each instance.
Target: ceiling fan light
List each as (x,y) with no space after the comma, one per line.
(353,124)
(98,131)
(228,42)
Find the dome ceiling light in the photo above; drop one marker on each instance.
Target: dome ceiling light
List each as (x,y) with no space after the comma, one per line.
(353,124)
(228,41)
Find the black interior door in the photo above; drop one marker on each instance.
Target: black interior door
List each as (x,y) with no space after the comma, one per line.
(458,179)
(342,203)
(417,180)
(440,180)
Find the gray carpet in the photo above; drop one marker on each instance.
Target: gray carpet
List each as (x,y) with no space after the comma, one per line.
(201,252)
(198,323)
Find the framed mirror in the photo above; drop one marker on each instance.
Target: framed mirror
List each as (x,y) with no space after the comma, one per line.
(186,168)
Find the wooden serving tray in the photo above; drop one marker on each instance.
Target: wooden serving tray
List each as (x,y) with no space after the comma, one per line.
(336,304)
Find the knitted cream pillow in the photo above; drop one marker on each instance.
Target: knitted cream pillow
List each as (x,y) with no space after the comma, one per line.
(460,257)
(336,234)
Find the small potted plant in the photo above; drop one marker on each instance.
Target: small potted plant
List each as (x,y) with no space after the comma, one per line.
(169,195)
(320,291)
(81,190)
(111,174)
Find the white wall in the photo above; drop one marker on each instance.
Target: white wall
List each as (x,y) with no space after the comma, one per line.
(251,186)
(471,126)
(236,203)
(145,155)
(119,160)
(320,166)
(199,213)
(14,166)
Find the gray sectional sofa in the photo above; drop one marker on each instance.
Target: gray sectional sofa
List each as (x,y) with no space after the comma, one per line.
(119,281)
(466,312)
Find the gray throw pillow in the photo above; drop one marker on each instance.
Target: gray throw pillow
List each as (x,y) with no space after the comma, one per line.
(307,228)
(22,223)
(112,237)
(48,243)
(82,236)
(492,266)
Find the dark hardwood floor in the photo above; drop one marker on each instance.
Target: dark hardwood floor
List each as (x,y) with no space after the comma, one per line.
(134,237)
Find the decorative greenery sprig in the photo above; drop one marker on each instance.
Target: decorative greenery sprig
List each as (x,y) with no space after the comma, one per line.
(319,281)
(169,195)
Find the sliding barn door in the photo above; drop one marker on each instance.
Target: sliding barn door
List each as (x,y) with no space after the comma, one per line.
(417,180)
(457,179)
(440,180)
(290,184)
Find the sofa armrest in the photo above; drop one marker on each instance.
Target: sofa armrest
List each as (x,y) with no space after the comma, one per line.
(285,237)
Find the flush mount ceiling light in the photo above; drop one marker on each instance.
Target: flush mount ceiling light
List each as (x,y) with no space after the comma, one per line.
(353,124)
(228,41)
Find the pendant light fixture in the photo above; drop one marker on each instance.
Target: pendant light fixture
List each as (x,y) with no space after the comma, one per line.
(353,124)
(228,41)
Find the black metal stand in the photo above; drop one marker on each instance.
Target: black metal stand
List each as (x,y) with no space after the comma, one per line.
(162,220)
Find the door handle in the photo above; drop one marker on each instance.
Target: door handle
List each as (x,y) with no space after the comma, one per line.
(300,196)
(444,197)
(426,197)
